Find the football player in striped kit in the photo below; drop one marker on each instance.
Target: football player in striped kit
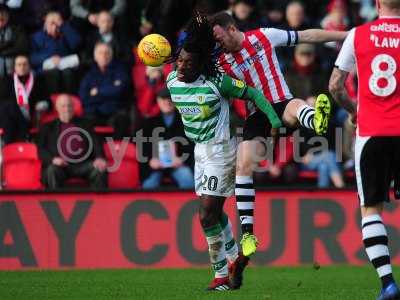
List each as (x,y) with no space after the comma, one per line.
(250,56)
(201,94)
(374,50)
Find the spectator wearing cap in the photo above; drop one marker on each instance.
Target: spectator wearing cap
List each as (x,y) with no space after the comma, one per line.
(68,148)
(166,155)
(13,41)
(105,90)
(54,52)
(23,97)
(105,32)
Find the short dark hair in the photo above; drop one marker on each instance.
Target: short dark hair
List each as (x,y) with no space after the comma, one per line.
(222,19)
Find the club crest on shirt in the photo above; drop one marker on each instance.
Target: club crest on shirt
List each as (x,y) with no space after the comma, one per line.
(258,46)
(238,83)
(202,99)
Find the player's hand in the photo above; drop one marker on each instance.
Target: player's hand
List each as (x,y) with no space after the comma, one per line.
(155,164)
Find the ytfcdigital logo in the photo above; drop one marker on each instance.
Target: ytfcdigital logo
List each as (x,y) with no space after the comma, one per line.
(75,145)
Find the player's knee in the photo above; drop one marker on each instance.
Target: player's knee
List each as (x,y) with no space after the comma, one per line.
(244,166)
(295,104)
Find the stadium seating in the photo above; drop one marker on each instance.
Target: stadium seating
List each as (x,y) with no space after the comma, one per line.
(21,166)
(126,176)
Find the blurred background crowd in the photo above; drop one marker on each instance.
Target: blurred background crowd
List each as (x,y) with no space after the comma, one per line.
(73,63)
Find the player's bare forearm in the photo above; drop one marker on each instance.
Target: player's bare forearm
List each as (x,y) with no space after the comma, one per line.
(321,36)
(338,91)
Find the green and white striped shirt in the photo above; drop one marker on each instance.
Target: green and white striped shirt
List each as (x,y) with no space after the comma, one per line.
(204,107)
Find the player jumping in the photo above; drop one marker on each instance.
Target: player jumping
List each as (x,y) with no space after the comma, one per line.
(250,56)
(375,49)
(200,93)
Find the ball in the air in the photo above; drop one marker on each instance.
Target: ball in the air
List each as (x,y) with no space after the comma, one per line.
(154,49)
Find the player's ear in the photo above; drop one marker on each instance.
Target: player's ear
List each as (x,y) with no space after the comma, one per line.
(231,28)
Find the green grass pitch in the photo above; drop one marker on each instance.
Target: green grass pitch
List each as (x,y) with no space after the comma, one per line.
(336,283)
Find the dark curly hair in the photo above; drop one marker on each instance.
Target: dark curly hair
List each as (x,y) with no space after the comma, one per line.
(199,39)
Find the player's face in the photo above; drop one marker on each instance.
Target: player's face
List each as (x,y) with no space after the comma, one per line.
(187,66)
(225,38)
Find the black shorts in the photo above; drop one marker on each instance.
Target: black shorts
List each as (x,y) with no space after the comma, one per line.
(377,163)
(257,124)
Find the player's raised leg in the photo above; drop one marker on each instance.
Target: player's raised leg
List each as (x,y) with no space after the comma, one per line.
(298,112)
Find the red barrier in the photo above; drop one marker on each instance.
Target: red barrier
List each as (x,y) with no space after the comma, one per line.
(124,230)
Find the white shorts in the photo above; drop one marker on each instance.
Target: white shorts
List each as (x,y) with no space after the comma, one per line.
(214,170)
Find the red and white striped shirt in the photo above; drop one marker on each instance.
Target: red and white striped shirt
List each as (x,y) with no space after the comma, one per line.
(257,64)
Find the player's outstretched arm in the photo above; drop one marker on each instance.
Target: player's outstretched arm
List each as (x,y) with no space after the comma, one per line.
(320,36)
(233,88)
(338,91)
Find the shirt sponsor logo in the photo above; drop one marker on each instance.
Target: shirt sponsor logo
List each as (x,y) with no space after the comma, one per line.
(248,62)
(385,27)
(190,110)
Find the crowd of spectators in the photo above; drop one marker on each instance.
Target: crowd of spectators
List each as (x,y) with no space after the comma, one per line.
(86,49)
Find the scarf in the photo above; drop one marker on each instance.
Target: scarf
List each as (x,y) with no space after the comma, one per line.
(23,91)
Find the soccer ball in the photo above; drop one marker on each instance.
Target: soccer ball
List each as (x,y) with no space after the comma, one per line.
(154,49)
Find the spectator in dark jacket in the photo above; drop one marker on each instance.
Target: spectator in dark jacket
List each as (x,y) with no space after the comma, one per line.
(106,33)
(168,159)
(23,97)
(105,88)
(68,148)
(13,41)
(54,52)
(33,12)
(85,13)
